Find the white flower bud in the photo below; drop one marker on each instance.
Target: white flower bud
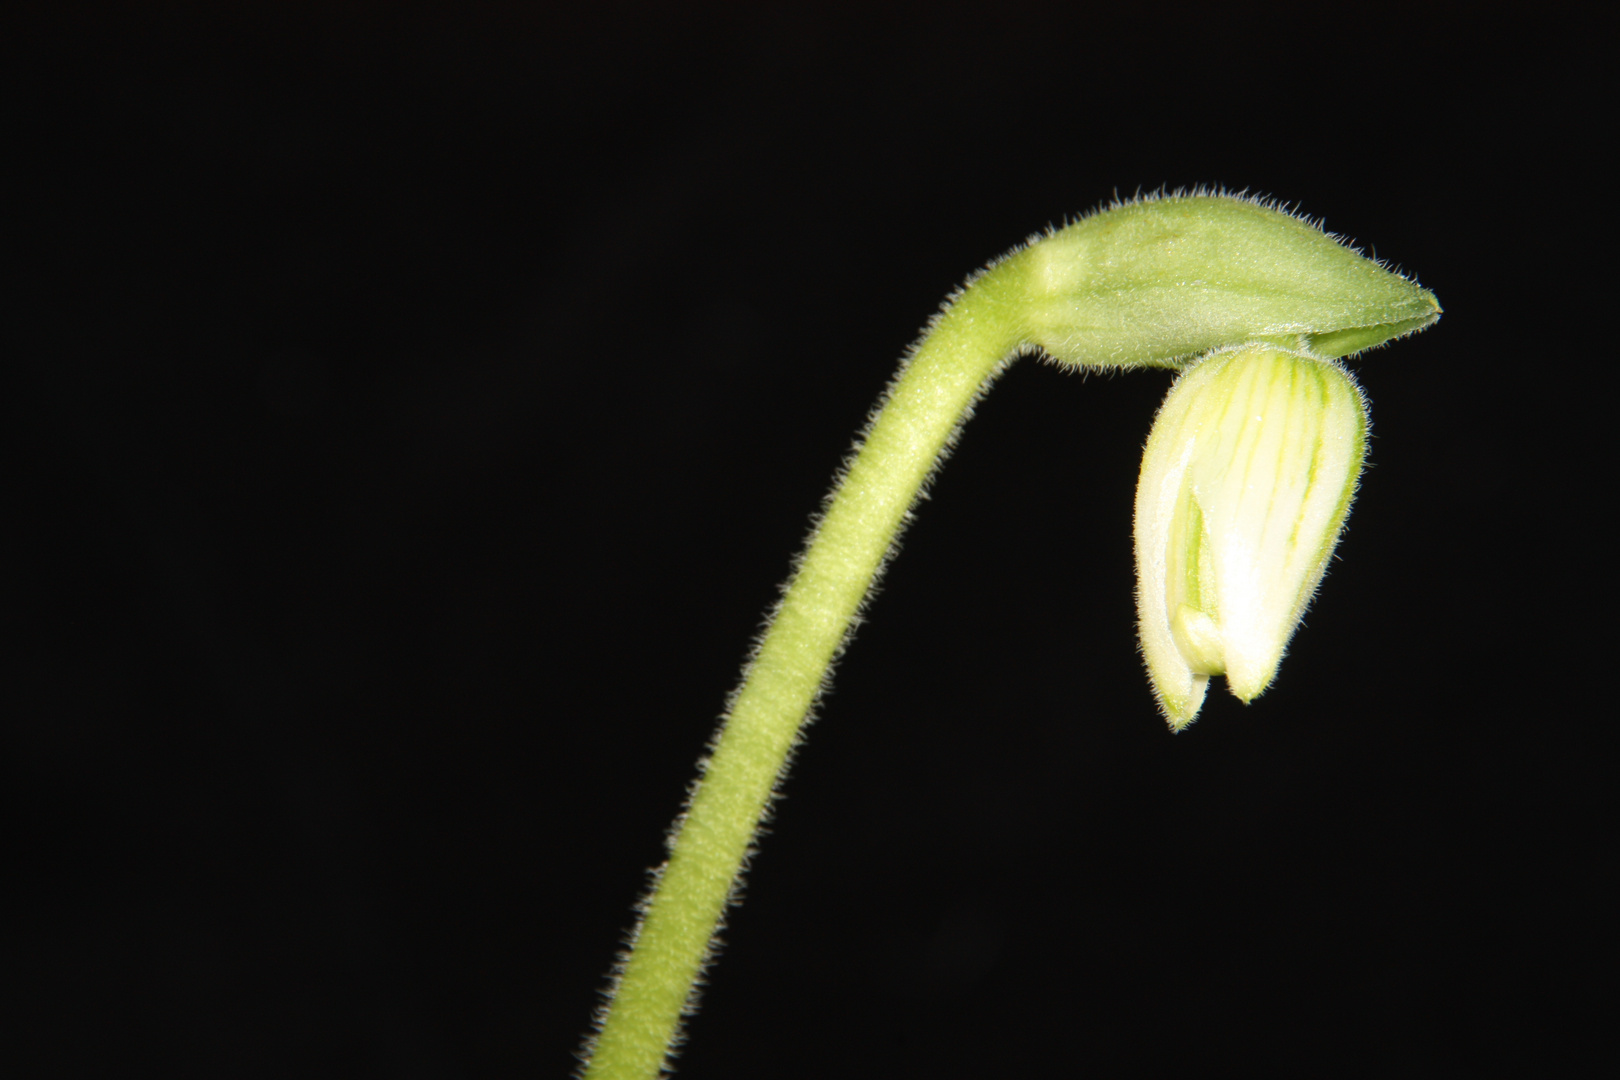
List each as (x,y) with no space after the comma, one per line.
(1245,484)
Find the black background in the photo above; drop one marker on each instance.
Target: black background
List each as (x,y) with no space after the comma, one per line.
(409,412)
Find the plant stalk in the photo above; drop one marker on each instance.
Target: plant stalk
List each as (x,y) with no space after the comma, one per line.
(969,344)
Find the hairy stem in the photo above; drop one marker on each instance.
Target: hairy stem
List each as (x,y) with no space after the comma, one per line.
(962,353)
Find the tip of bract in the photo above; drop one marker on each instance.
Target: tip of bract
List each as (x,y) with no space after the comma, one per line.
(1180,711)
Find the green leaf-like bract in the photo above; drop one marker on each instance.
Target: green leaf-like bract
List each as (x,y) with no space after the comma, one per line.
(1161,281)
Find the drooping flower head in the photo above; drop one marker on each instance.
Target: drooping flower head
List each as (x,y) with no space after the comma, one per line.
(1246,481)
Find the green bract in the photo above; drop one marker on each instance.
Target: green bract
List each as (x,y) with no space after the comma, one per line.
(1245,485)
(1161,281)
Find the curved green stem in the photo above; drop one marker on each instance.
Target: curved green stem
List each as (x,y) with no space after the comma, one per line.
(967,347)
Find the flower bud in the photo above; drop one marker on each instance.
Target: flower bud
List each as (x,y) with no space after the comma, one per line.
(1246,480)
